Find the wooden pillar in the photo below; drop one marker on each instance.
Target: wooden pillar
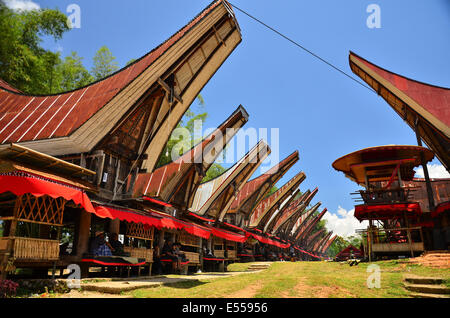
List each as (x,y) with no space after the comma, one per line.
(10,245)
(408,234)
(83,233)
(369,240)
(425,168)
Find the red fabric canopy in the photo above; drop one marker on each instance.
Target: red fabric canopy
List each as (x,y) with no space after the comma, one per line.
(158,220)
(387,211)
(230,236)
(305,252)
(104,211)
(198,231)
(269,241)
(20,183)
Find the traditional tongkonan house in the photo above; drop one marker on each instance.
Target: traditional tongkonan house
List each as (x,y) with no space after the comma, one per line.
(262,213)
(348,253)
(170,189)
(255,190)
(285,223)
(387,201)
(426,109)
(303,220)
(305,230)
(322,252)
(314,239)
(213,199)
(65,150)
(267,207)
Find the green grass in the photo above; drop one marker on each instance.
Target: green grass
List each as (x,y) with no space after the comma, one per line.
(301,279)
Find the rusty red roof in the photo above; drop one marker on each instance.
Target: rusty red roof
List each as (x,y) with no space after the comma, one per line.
(7,86)
(424,107)
(433,99)
(26,118)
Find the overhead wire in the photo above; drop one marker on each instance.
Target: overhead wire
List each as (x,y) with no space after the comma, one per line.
(301,46)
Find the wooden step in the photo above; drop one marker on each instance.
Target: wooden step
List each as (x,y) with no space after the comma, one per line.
(428,289)
(424,280)
(423,295)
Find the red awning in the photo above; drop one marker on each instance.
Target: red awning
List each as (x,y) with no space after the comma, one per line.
(112,213)
(198,230)
(387,211)
(305,252)
(157,220)
(230,236)
(20,183)
(265,240)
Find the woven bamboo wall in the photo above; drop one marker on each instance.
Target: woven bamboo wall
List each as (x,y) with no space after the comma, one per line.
(193,258)
(30,248)
(140,253)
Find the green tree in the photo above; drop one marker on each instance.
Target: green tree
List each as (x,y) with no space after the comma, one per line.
(214,171)
(23,62)
(71,74)
(104,63)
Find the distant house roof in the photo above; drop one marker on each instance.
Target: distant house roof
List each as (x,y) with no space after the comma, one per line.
(412,100)
(346,252)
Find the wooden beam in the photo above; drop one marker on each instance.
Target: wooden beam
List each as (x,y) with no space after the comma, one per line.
(169,90)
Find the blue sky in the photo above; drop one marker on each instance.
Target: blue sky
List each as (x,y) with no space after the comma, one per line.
(319,111)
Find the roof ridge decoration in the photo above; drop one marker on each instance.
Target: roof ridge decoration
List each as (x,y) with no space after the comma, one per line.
(424,107)
(264,210)
(77,121)
(215,196)
(177,181)
(254,190)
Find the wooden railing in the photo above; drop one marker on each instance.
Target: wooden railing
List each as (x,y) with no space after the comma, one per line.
(145,253)
(32,249)
(194,258)
(189,240)
(399,195)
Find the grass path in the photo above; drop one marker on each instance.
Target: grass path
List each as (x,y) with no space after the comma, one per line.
(301,279)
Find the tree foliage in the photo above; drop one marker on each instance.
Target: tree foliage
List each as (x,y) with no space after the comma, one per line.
(24,63)
(104,63)
(71,74)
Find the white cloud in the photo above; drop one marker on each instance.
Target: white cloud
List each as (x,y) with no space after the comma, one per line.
(343,223)
(434,170)
(22,5)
